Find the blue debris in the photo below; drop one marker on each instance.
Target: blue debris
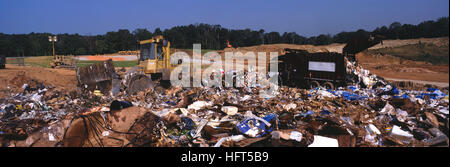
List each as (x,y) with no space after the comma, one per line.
(171,103)
(347,119)
(431,95)
(352,88)
(332,92)
(395,90)
(352,96)
(271,118)
(405,96)
(391,92)
(307,113)
(325,112)
(439,94)
(434,94)
(187,123)
(432,89)
(244,126)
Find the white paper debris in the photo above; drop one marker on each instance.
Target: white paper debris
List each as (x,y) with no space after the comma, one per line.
(320,141)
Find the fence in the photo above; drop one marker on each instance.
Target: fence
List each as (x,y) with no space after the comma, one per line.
(20,61)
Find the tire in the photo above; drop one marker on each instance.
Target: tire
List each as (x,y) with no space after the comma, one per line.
(328,85)
(314,84)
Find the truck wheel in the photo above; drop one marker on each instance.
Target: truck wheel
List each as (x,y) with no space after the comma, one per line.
(314,84)
(328,85)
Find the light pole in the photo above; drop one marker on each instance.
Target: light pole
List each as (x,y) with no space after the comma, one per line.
(53,39)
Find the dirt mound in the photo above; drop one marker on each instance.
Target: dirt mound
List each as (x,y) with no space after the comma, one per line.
(20,79)
(388,66)
(280,48)
(366,57)
(443,41)
(13,77)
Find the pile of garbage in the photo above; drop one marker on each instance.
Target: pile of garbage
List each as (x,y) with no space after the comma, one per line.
(368,113)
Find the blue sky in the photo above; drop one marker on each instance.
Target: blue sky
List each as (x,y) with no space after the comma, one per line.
(308,18)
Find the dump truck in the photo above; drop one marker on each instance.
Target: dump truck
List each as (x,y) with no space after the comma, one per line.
(2,61)
(154,64)
(299,68)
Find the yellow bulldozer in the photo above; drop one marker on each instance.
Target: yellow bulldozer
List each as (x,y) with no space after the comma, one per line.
(154,58)
(154,64)
(61,61)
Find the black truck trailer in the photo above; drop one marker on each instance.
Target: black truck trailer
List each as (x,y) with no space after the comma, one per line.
(298,68)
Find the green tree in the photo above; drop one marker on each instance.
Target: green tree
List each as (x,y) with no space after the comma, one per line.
(142,34)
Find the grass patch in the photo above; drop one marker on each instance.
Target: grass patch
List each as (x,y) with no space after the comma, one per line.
(44,61)
(426,52)
(41,61)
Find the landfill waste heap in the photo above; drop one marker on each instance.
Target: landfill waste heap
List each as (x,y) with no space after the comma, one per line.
(367,113)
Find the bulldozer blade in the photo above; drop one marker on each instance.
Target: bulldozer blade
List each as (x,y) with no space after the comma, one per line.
(139,83)
(97,76)
(129,74)
(115,86)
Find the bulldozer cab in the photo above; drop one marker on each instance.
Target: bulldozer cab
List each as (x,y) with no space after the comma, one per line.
(148,52)
(154,57)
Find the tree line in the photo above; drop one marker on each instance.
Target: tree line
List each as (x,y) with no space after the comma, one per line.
(210,36)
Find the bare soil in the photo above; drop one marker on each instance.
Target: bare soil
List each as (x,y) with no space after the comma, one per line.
(400,69)
(13,77)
